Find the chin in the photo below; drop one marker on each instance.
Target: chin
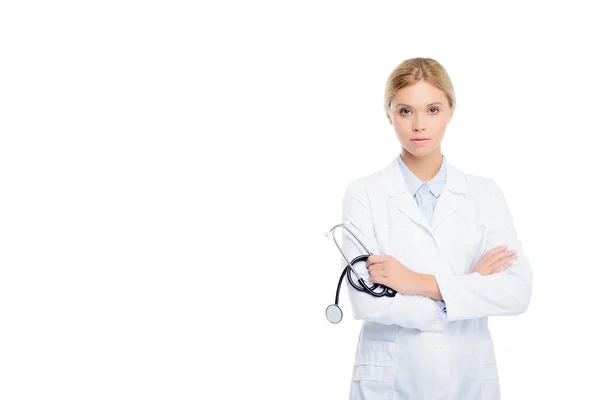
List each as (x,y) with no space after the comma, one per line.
(420,151)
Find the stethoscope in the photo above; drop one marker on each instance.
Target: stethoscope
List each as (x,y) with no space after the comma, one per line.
(334,312)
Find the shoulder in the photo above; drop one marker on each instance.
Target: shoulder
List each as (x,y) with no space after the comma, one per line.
(479,183)
(482,188)
(369,184)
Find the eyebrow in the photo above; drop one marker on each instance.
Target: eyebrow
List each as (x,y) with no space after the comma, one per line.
(430,104)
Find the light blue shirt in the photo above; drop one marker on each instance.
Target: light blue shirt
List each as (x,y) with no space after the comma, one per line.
(426,194)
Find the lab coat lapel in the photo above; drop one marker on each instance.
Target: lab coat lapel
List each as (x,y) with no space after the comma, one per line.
(407,204)
(400,197)
(452,196)
(450,200)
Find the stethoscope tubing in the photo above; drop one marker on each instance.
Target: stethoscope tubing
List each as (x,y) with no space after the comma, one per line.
(350,267)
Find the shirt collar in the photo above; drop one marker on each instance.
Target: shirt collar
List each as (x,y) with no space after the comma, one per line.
(413,183)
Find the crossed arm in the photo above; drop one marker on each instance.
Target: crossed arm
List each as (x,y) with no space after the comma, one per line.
(466,297)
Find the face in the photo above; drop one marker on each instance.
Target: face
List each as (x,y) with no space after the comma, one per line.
(420,111)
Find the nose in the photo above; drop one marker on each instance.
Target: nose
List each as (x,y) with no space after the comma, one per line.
(417,125)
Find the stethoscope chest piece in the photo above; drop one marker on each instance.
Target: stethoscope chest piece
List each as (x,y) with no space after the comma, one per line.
(334,313)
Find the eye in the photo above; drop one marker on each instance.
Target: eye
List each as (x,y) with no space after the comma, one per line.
(406,109)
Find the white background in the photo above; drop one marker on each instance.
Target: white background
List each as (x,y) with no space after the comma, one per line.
(168,170)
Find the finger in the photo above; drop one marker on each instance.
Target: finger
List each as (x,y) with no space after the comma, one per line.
(494,251)
(502,264)
(496,264)
(378,279)
(377,267)
(497,249)
(376,259)
(378,273)
(508,254)
(501,268)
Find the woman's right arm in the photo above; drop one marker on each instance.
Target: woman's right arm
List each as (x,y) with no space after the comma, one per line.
(409,311)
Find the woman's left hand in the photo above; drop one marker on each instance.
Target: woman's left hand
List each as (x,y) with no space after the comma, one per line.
(390,272)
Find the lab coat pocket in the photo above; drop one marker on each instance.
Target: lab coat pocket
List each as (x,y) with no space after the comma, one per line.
(375,331)
(371,382)
(373,373)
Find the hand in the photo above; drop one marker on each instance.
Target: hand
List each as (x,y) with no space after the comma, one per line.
(390,272)
(496,260)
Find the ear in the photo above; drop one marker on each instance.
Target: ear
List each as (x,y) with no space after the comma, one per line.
(451,114)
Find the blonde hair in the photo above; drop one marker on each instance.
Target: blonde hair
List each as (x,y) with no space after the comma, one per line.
(414,70)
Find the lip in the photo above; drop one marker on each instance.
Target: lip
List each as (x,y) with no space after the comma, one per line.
(421,142)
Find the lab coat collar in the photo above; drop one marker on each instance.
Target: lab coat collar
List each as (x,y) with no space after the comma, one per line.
(414,183)
(455,179)
(451,197)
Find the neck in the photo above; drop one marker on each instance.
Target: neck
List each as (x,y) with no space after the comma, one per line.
(426,167)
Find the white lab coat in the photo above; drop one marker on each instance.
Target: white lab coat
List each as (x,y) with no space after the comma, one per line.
(408,348)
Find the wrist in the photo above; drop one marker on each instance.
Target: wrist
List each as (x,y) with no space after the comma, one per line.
(427,286)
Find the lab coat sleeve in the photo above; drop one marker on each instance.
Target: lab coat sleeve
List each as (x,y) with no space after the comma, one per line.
(500,294)
(409,311)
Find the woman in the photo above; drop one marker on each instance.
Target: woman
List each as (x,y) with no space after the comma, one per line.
(445,241)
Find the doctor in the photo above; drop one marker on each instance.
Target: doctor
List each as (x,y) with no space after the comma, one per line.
(445,241)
